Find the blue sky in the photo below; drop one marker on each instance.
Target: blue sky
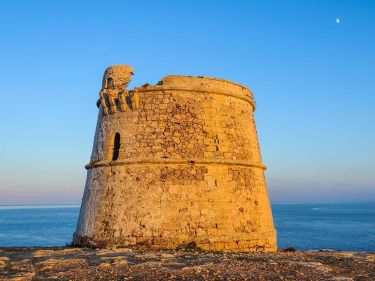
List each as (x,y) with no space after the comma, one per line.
(313,80)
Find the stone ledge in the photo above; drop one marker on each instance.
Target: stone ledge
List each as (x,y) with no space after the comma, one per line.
(197,90)
(152,161)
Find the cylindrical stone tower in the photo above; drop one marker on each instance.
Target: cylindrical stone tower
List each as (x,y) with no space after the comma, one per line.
(176,164)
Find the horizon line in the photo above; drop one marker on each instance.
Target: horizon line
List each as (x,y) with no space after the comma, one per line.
(275,203)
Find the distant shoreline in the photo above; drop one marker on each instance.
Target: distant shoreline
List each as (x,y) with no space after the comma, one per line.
(275,203)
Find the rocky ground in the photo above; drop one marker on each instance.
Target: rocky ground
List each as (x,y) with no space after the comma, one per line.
(141,264)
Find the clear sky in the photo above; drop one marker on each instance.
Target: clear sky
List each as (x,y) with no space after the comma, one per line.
(313,80)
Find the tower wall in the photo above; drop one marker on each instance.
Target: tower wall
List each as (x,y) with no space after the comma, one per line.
(189,169)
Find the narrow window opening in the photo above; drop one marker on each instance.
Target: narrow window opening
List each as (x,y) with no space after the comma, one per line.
(116,147)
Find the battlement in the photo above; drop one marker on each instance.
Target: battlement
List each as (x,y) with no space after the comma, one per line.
(208,83)
(117,77)
(198,84)
(201,84)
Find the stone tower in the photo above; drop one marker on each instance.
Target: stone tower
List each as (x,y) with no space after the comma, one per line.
(173,164)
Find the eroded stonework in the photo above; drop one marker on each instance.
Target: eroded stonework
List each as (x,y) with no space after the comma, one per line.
(173,164)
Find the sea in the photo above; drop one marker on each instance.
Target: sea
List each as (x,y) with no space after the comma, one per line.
(348,227)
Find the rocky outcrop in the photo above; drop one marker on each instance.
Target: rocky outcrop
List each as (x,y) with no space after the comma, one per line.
(142,264)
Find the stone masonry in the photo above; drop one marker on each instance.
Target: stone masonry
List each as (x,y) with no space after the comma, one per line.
(175,164)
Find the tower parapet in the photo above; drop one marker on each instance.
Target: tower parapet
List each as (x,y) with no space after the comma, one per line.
(114,95)
(176,163)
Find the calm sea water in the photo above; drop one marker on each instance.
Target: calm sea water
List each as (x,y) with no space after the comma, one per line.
(348,227)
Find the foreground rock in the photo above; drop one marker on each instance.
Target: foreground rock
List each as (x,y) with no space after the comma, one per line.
(141,264)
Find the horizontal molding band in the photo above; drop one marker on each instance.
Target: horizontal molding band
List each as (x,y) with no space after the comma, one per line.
(151,161)
(172,88)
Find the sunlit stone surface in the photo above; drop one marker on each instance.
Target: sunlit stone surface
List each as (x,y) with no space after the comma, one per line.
(176,164)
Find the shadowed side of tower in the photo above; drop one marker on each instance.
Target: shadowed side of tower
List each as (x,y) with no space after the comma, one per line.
(176,163)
